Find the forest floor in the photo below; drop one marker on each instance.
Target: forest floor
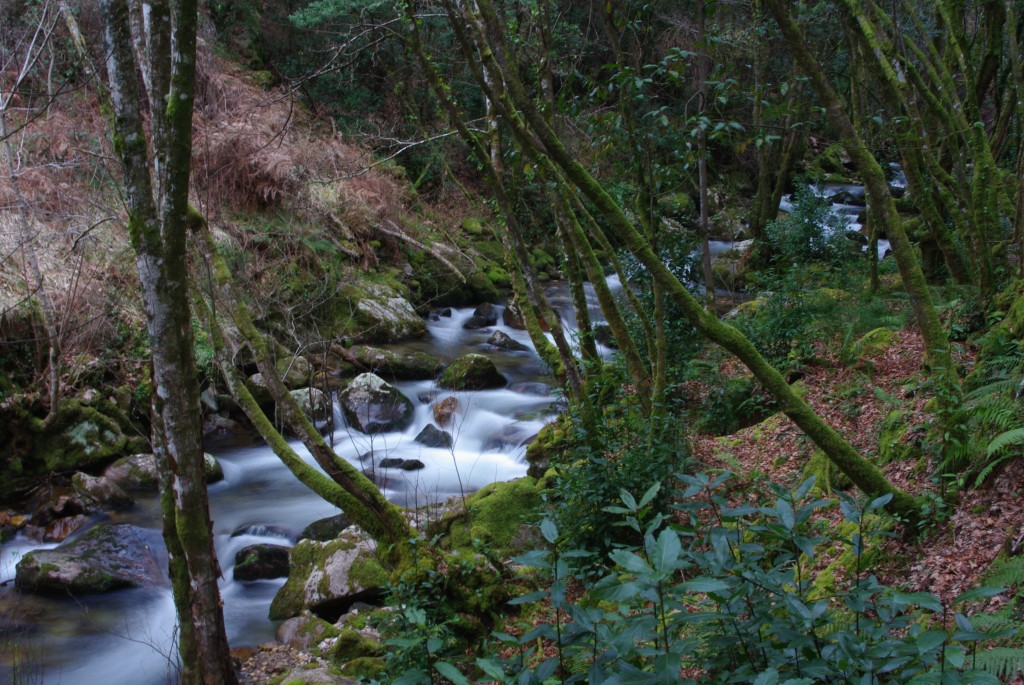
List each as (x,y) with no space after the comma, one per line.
(954,553)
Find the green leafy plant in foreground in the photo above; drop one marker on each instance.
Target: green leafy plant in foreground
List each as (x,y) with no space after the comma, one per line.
(735,602)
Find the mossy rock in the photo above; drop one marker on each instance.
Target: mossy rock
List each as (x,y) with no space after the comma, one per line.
(83,437)
(329,574)
(396,366)
(472,372)
(872,344)
(551,442)
(496,515)
(351,644)
(372,405)
(305,632)
(472,226)
(364,668)
(380,313)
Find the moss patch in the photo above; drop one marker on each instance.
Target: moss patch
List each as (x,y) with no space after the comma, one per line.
(495,515)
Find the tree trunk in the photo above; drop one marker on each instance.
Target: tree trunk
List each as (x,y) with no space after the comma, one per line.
(157,223)
(520,110)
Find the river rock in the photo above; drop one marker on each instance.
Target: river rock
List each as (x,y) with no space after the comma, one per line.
(409,366)
(214,473)
(401,464)
(102,491)
(513,316)
(483,316)
(316,405)
(327,577)
(472,372)
(382,315)
(257,562)
(445,409)
(304,632)
(61,529)
(432,436)
(137,472)
(372,405)
(504,341)
(107,557)
(325,529)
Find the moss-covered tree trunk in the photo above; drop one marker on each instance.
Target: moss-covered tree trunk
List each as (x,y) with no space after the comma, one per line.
(883,205)
(520,110)
(158,215)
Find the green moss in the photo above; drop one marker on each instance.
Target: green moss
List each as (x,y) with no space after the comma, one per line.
(892,442)
(827,475)
(495,515)
(872,344)
(366,571)
(473,227)
(364,668)
(352,645)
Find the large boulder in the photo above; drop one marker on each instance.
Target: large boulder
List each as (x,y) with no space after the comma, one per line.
(316,405)
(472,372)
(137,472)
(372,405)
(102,492)
(328,577)
(382,315)
(408,366)
(257,562)
(295,372)
(513,316)
(104,558)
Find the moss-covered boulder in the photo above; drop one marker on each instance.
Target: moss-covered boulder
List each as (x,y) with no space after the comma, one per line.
(313,674)
(212,468)
(380,313)
(83,436)
(550,442)
(396,366)
(135,472)
(472,372)
(107,557)
(353,644)
(316,405)
(498,515)
(895,442)
(257,562)
(327,577)
(305,632)
(101,492)
(872,344)
(371,405)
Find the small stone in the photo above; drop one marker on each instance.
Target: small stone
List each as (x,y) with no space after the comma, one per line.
(432,436)
(504,341)
(445,409)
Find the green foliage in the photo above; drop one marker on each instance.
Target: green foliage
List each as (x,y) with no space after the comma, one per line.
(619,448)
(980,432)
(728,403)
(733,600)
(812,234)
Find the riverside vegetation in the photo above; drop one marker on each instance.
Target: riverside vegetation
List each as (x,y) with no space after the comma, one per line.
(783,453)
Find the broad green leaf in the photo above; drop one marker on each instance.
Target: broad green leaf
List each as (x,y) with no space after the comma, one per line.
(451,673)
(549,530)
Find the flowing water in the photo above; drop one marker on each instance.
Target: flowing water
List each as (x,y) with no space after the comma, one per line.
(127,637)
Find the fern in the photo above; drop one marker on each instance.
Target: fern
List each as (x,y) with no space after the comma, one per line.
(1002,662)
(1014,436)
(1005,572)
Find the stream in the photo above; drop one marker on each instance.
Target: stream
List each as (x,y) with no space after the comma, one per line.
(127,637)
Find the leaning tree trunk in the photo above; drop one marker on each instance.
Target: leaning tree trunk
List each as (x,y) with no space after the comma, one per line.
(521,112)
(157,220)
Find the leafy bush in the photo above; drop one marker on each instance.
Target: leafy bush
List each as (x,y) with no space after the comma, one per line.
(812,234)
(733,602)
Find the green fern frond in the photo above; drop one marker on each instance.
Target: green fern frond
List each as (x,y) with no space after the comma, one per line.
(1003,386)
(1005,571)
(1002,662)
(1014,436)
